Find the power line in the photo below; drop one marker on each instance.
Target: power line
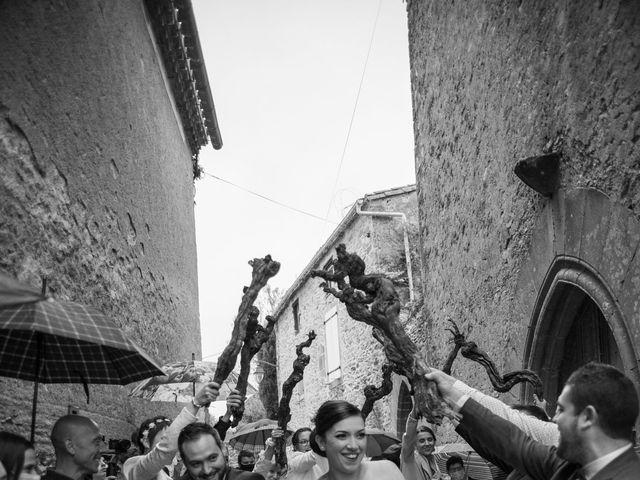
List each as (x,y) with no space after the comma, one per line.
(268,199)
(353,114)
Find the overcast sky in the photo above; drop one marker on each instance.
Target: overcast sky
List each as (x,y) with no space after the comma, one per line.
(285,76)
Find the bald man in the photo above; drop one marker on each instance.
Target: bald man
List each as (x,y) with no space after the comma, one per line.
(77,442)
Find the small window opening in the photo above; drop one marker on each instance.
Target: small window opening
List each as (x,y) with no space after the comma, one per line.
(296,316)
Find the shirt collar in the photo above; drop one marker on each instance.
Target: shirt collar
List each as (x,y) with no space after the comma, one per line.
(592,468)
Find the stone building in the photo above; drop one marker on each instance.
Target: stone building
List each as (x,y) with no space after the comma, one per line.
(545,278)
(540,268)
(382,228)
(103,109)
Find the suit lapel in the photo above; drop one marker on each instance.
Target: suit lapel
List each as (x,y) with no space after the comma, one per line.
(612,470)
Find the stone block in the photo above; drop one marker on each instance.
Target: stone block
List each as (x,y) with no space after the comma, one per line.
(620,247)
(573,209)
(597,214)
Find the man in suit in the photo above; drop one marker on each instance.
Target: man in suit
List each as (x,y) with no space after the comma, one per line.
(202,453)
(596,414)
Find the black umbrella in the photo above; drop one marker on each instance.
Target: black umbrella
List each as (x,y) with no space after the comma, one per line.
(378,441)
(50,341)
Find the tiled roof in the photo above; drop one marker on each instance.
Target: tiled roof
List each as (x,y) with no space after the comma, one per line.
(177,37)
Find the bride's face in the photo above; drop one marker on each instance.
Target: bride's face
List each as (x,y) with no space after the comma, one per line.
(344,444)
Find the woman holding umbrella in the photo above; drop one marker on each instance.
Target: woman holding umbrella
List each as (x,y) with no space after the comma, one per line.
(158,439)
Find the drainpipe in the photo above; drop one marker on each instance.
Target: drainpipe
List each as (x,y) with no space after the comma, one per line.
(407,252)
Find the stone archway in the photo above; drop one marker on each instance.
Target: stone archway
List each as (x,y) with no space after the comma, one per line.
(580,287)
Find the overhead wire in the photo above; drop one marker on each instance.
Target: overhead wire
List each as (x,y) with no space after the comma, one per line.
(264,197)
(353,113)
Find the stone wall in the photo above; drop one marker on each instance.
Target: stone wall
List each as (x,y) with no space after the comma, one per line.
(380,242)
(494,82)
(96,189)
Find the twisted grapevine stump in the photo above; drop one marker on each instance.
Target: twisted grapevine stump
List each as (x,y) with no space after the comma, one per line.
(262,270)
(284,410)
(372,299)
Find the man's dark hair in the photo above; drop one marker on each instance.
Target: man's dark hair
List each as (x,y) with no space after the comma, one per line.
(454,460)
(532,410)
(245,454)
(610,393)
(296,435)
(193,432)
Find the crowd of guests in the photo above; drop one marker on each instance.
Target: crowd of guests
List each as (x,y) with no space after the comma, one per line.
(591,438)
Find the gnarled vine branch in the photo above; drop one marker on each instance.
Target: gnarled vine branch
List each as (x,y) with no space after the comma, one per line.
(373,393)
(372,299)
(284,410)
(255,337)
(500,383)
(262,270)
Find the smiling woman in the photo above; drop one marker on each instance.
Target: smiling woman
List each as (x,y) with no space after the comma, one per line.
(340,437)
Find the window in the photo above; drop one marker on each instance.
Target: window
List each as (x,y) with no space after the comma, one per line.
(332,346)
(296,315)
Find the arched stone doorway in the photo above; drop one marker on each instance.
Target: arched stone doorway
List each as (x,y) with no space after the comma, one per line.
(571,328)
(580,288)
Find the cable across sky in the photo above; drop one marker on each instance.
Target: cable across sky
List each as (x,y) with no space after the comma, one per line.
(268,199)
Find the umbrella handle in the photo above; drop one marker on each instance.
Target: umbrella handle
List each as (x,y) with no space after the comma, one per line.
(35,384)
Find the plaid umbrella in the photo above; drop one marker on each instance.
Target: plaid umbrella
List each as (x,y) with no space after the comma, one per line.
(378,441)
(252,436)
(181,380)
(476,467)
(49,341)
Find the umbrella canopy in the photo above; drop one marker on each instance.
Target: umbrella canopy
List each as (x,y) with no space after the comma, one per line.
(475,466)
(252,436)
(378,441)
(51,341)
(176,385)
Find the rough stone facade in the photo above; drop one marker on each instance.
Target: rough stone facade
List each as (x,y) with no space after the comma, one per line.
(380,242)
(494,82)
(96,190)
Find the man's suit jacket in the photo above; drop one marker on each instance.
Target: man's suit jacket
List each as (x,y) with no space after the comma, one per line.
(486,431)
